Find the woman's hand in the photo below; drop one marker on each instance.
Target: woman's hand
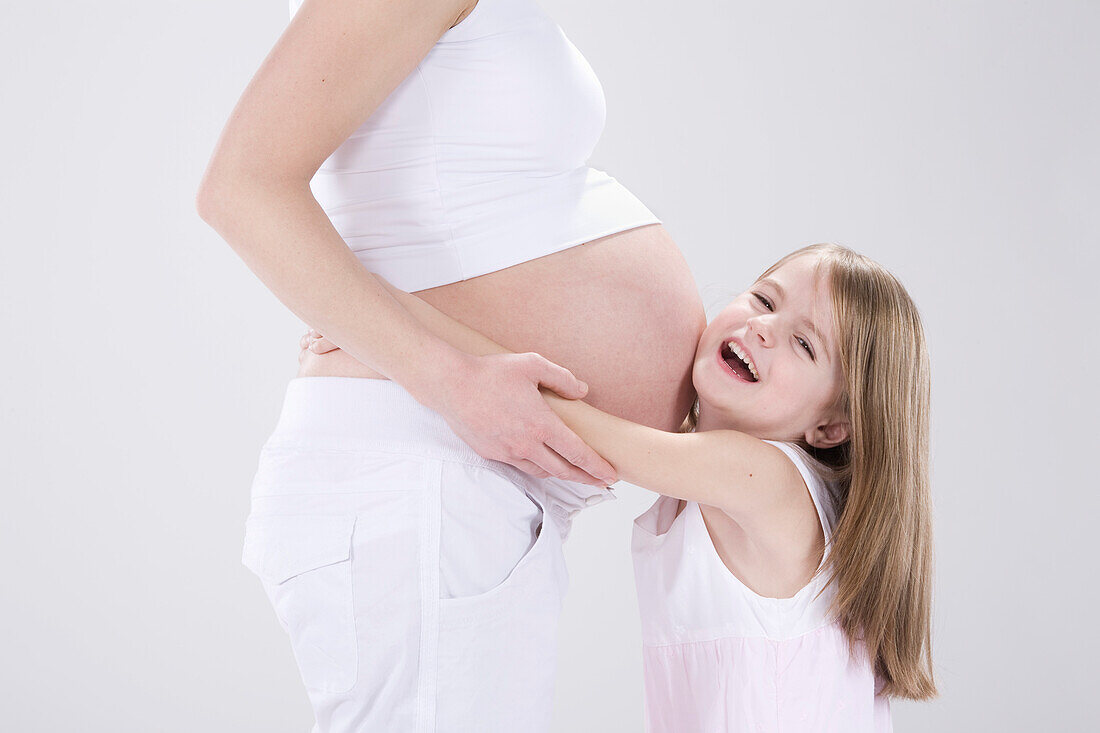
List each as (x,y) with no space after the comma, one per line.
(492,402)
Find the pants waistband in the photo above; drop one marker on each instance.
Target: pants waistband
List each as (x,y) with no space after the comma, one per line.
(353,413)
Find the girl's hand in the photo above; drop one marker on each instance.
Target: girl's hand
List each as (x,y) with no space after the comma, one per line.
(493,403)
(313,341)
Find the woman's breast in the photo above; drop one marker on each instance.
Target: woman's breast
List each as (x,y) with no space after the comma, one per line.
(623,313)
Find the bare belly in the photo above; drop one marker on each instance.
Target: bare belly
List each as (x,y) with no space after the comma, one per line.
(622,313)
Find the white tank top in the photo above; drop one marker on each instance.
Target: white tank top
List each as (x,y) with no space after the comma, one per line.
(719,658)
(476,162)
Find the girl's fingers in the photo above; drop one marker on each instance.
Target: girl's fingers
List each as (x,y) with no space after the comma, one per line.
(322,346)
(315,342)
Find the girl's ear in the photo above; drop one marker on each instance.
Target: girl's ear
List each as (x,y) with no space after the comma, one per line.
(829,434)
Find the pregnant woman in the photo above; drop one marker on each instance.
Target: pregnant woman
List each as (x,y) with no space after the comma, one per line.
(409,507)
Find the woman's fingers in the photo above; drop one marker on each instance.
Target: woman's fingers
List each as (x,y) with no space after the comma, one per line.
(549,460)
(576,453)
(556,377)
(494,404)
(570,451)
(530,468)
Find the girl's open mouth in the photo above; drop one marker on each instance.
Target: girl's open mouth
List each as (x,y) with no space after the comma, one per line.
(733,364)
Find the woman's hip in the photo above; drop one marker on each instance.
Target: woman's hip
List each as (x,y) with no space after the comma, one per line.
(365,449)
(341,414)
(395,557)
(337,435)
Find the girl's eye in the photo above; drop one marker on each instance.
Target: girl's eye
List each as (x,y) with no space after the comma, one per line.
(801,341)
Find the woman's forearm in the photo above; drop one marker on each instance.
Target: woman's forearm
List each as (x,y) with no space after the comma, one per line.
(330,70)
(442,326)
(287,240)
(285,237)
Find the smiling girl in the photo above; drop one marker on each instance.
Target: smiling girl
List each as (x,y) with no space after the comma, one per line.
(784,576)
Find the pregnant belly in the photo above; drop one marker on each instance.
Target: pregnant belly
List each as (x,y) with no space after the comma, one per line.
(622,313)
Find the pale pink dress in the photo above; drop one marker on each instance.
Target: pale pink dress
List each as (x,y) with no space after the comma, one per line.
(718,657)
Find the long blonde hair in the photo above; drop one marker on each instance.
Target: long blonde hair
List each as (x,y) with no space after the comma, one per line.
(880,554)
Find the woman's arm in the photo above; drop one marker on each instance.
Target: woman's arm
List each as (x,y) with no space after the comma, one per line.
(744,476)
(335,63)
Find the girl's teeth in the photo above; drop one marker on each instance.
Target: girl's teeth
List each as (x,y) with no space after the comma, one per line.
(744,357)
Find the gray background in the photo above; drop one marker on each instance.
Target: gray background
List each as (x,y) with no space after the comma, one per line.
(956,142)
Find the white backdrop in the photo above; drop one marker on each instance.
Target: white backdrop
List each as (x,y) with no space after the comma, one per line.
(956,142)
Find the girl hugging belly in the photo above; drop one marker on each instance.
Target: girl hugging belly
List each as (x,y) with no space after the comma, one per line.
(784,575)
(622,313)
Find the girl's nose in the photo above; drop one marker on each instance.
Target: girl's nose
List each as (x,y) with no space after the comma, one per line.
(760,331)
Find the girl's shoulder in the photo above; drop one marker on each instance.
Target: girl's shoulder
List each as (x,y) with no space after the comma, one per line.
(813,475)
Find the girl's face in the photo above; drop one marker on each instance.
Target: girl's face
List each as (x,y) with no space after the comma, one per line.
(783,326)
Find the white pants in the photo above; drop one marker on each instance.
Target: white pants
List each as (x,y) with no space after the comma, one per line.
(419,583)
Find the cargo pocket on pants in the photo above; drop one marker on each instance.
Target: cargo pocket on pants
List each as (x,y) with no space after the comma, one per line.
(497,650)
(304,562)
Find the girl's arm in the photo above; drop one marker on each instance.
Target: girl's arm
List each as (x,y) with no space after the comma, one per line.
(726,469)
(334,64)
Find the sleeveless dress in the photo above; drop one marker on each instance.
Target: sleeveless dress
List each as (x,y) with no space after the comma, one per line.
(720,658)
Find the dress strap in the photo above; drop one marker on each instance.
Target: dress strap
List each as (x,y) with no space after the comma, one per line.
(818,492)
